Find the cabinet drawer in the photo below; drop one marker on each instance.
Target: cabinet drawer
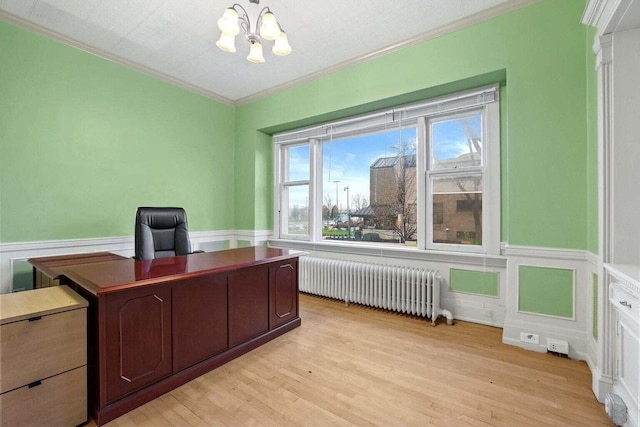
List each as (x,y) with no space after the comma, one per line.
(624,302)
(31,350)
(58,401)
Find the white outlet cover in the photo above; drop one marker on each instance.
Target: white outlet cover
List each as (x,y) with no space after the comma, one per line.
(529,338)
(558,346)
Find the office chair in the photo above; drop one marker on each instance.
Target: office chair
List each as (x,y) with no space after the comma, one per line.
(161,233)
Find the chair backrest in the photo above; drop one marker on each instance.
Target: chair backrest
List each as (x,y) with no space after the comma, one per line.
(161,233)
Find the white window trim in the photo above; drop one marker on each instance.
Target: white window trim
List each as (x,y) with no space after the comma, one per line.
(281,163)
(486,98)
(490,169)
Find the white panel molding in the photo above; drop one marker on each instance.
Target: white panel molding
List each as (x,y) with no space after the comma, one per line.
(544,253)
(397,252)
(255,237)
(93,243)
(577,331)
(499,312)
(198,237)
(594,260)
(20,251)
(476,308)
(470,309)
(574,275)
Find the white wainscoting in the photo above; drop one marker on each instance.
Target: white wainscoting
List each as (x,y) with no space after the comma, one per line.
(503,310)
(486,310)
(577,331)
(11,253)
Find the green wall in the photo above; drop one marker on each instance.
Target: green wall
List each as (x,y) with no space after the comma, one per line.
(474,282)
(545,145)
(84,141)
(592,138)
(547,291)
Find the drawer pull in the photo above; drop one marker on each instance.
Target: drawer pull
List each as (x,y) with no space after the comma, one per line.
(34,384)
(626,304)
(33,319)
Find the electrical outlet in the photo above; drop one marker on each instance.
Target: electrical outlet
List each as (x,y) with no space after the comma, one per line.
(558,346)
(529,338)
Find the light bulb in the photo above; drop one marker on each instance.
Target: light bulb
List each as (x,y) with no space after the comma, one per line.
(255,54)
(228,24)
(281,46)
(269,29)
(227,43)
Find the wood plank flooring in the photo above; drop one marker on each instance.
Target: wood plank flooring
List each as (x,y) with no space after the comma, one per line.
(361,366)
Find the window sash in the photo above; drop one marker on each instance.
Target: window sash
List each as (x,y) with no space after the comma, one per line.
(431,196)
(284,211)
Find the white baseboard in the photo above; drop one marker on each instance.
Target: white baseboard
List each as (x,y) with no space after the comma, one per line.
(579,341)
(473,311)
(600,384)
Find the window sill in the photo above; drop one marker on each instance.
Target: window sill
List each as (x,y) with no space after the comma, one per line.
(406,252)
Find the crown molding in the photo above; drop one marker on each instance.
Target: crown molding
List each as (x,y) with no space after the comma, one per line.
(605,15)
(476,18)
(467,21)
(594,13)
(12,19)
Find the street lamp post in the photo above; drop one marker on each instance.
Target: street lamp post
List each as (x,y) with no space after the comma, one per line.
(348,214)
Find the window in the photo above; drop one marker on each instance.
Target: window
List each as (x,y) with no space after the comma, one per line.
(455,169)
(369,187)
(424,174)
(295,191)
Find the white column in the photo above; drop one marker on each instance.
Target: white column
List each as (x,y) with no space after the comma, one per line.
(603,48)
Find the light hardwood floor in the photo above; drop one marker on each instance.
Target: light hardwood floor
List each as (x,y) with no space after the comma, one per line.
(361,366)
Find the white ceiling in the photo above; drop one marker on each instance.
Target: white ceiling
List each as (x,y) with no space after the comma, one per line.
(631,17)
(175,39)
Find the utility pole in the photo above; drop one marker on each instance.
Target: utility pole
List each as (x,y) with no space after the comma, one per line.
(348,214)
(337,204)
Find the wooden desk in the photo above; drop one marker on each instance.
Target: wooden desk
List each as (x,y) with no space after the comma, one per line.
(155,325)
(47,270)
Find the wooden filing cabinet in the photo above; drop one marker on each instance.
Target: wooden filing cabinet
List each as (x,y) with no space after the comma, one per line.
(43,358)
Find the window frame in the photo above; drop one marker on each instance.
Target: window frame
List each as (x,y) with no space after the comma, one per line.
(282,166)
(489,169)
(418,115)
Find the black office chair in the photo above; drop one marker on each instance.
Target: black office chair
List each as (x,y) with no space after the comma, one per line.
(161,233)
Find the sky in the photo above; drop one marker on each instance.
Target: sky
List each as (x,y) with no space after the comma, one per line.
(348,160)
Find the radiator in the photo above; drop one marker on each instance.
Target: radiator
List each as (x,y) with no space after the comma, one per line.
(404,289)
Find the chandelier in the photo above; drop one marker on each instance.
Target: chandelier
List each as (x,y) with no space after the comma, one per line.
(267,28)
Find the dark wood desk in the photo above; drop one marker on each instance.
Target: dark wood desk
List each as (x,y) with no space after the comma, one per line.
(47,270)
(155,325)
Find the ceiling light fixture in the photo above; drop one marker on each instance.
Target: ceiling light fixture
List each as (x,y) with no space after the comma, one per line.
(267,28)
